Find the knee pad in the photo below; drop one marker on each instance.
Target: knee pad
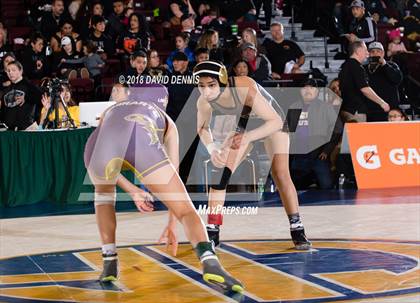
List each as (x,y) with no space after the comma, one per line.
(105,199)
(220,179)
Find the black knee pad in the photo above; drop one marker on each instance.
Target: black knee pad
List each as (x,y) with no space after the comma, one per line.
(220,178)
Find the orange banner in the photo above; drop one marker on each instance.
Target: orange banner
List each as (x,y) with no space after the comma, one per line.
(385,154)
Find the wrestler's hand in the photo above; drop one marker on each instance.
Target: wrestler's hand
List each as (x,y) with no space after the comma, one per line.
(143,200)
(219,158)
(235,140)
(170,239)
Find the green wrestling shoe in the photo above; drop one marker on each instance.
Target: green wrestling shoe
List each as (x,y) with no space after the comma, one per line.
(110,268)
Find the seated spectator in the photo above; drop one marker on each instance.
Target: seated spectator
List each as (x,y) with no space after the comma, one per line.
(177,8)
(117,19)
(210,40)
(154,67)
(201,54)
(384,78)
(179,93)
(104,44)
(397,115)
(92,61)
(282,52)
(63,119)
(138,64)
(355,88)
(181,43)
(4,46)
(51,19)
(73,8)
(395,46)
(4,79)
(136,37)
(66,30)
(259,66)
(240,68)
(20,100)
(68,52)
(188,26)
(249,35)
(334,95)
(35,63)
(238,10)
(96,9)
(315,126)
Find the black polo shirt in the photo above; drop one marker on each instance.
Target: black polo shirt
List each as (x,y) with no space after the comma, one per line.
(281,53)
(352,79)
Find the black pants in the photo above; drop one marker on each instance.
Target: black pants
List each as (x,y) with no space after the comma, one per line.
(268,9)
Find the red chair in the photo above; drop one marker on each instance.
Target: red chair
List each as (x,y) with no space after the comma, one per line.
(19,32)
(82,89)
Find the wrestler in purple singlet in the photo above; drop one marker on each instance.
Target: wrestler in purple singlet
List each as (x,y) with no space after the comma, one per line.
(130,136)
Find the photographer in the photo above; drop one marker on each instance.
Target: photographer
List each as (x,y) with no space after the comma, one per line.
(384,78)
(63,119)
(19,100)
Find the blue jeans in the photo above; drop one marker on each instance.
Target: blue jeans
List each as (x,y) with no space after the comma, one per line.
(303,166)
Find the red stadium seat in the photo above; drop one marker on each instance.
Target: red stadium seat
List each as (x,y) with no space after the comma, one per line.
(82,89)
(19,32)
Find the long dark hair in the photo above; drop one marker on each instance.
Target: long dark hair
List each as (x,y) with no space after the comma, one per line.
(143,25)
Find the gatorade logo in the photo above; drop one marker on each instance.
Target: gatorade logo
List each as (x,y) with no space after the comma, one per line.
(367,156)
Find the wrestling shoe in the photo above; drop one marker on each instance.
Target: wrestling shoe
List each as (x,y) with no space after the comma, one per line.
(110,268)
(213,232)
(300,240)
(214,273)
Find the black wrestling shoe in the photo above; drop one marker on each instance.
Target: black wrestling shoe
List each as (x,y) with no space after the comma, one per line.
(300,240)
(110,268)
(213,232)
(214,273)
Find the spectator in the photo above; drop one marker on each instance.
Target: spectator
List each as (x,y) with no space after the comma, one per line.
(74,8)
(238,10)
(396,115)
(19,100)
(63,119)
(177,8)
(50,20)
(334,95)
(154,67)
(201,54)
(34,60)
(281,51)
(68,52)
(138,64)
(259,66)
(268,11)
(384,78)
(66,30)
(240,68)
(210,40)
(4,46)
(96,9)
(104,44)
(315,126)
(4,79)
(188,26)
(117,19)
(396,46)
(249,35)
(181,43)
(92,61)
(136,37)
(355,88)
(179,93)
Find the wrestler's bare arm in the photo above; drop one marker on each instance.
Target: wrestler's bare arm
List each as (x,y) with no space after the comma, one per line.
(204,114)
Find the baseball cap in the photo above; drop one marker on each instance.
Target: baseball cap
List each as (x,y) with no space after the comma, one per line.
(357,3)
(311,82)
(376,45)
(247,45)
(65,41)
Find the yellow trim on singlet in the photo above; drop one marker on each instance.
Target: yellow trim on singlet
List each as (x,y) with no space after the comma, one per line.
(152,167)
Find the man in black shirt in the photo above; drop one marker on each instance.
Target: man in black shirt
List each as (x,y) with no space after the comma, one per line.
(51,20)
(362,27)
(281,51)
(355,88)
(384,78)
(34,60)
(20,100)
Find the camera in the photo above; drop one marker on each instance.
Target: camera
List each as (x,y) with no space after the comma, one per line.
(54,85)
(374,60)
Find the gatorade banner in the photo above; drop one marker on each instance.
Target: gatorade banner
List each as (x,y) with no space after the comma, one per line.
(385,154)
